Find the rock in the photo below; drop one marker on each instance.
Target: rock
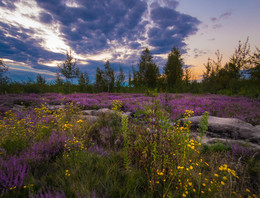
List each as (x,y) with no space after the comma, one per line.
(56,107)
(103,111)
(89,118)
(257,126)
(228,128)
(88,112)
(230,142)
(18,108)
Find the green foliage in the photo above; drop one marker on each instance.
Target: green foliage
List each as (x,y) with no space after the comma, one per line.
(109,77)
(148,71)
(203,124)
(3,69)
(40,80)
(217,147)
(173,69)
(120,79)
(69,68)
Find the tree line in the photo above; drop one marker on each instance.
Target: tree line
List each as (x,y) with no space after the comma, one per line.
(239,76)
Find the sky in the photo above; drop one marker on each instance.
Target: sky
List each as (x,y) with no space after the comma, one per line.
(36,34)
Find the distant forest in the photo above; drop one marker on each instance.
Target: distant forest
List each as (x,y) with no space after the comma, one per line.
(239,76)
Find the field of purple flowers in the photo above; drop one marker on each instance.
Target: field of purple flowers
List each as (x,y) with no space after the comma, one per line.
(222,106)
(47,152)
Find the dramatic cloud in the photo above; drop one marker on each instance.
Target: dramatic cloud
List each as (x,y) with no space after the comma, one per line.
(170,29)
(38,32)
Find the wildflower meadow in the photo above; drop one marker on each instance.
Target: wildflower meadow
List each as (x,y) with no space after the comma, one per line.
(55,152)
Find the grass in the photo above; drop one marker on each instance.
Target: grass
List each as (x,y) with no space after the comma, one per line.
(54,153)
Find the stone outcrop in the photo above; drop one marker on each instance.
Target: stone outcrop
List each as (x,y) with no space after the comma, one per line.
(228,130)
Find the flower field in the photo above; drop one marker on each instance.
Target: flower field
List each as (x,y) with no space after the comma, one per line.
(47,152)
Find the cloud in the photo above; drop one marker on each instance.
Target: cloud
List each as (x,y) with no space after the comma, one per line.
(217,26)
(197,52)
(171,28)
(225,15)
(10,5)
(38,32)
(45,17)
(22,48)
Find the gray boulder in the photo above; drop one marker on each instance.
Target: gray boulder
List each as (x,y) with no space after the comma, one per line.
(103,111)
(228,128)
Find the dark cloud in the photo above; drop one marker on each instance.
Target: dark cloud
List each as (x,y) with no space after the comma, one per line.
(45,17)
(171,29)
(90,26)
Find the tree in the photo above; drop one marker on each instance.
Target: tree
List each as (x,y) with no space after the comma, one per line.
(100,82)
(129,79)
(3,69)
(173,68)
(109,77)
(58,80)
(83,79)
(255,69)
(148,70)
(241,56)
(40,80)
(135,81)
(69,68)
(120,81)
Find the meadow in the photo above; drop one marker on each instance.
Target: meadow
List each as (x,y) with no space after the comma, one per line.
(46,152)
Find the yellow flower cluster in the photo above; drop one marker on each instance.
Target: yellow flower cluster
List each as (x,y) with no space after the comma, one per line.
(67,173)
(188,113)
(225,168)
(117,105)
(73,145)
(79,121)
(29,186)
(67,126)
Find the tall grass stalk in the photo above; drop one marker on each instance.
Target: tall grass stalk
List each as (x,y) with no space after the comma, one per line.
(124,123)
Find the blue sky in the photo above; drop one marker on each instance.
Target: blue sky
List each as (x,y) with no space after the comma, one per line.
(35,34)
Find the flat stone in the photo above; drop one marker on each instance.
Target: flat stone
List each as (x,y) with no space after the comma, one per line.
(103,111)
(229,128)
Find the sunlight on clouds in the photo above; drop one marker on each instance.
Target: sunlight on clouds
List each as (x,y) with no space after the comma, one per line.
(26,17)
(99,57)
(72,4)
(27,68)
(49,63)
